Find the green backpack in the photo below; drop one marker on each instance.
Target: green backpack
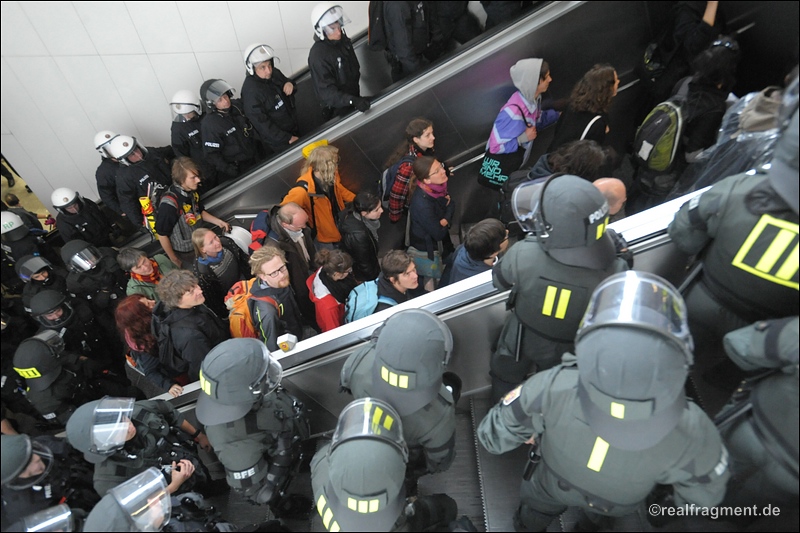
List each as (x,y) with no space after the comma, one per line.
(659,136)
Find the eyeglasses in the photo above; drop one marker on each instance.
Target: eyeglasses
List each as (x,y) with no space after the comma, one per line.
(278,272)
(440,168)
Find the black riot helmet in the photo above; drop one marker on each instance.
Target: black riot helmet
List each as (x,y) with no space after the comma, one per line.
(31,265)
(18,451)
(212,90)
(51,309)
(80,256)
(37,359)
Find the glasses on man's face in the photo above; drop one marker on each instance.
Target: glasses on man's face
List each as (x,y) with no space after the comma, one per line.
(278,272)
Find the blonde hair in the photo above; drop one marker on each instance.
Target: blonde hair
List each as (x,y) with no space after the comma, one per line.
(265,254)
(323,162)
(198,239)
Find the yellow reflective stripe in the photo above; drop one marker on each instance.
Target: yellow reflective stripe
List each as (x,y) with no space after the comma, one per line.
(403,382)
(563,303)
(28,373)
(363,506)
(549,300)
(205,384)
(387,422)
(321,504)
(617,410)
(384,373)
(598,455)
(376,416)
(335,527)
(790,266)
(352,504)
(392,379)
(776,248)
(374,505)
(326,518)
(601,229)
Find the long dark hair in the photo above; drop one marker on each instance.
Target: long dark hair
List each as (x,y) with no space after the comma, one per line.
(594,91)
(134,317)
(415,128)
(421,170)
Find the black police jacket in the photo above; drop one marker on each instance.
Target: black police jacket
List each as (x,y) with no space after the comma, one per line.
(229,141)
(133,181)
(335,72)
(270,110)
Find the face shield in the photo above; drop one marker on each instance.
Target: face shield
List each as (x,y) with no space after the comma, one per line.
(370,418)
(643,300)
(110,424)
(53,341)
(216,90)
(271,378)
(181,110)
(36,471)
(33,265)
(144,500)
(332,16)
(85,260)
(525,204)
(58,518)
(57,317)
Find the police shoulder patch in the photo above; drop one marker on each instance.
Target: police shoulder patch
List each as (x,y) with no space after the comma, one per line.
(512,396)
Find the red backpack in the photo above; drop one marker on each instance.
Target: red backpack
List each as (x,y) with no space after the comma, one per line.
(240,319)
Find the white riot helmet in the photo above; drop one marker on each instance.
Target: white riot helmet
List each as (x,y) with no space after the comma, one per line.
(325,14)
(123,146)
(102,140)
(13,227)
(64,197)
(183,103)
(258,53)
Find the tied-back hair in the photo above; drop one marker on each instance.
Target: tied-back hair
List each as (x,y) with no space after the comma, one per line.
(133,322)
(716,65)
(415,128)
(333,261)
(421,170)
(182,167)
(594,91)
(323,162)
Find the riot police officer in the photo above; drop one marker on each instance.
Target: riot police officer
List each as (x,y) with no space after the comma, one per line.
(18,240)
(95,276)
(268,98)
(39,275)
(333,63)
(745,230)
(187,140)
(57,381)
(613,420)
(80,218)
(403,366)
(357,479)
(229,141)
(143,173)
(760,423)
(255,426)
(39,473)
(566,253)
(106,174)
(123,438)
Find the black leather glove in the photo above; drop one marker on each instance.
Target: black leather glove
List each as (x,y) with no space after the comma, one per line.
(361,104)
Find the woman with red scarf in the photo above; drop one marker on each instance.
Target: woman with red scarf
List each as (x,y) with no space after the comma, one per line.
(430,214)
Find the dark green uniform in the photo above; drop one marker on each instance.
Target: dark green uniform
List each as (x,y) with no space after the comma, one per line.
(760,424)
(259,449)
(158,442)
(747,236)
(548,299)
(432,429)
(578,468)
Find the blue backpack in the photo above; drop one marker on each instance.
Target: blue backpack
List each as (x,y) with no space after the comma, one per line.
(388,177)
(363,300)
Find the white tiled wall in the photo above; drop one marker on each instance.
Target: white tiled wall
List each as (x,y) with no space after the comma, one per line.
(70,69)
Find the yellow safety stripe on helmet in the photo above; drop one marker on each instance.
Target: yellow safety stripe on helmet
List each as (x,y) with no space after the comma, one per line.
(550,302)
(601,229)
(363,506)
(617,410)
(394,379)
(326,514)
(598,455)
(28,373)
(205,385)
(762,267)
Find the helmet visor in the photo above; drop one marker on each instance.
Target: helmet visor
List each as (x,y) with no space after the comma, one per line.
(58,518)
(525,203)
(217,89)
(370,418)
(271,378)
(110,425)
(640,299)
(53,341)
(86,259)
(331,16)
(32,266)
(145,500)
(36,471)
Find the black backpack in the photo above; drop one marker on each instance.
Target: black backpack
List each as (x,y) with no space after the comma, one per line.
(161,330)
(376,31)
(389,176)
